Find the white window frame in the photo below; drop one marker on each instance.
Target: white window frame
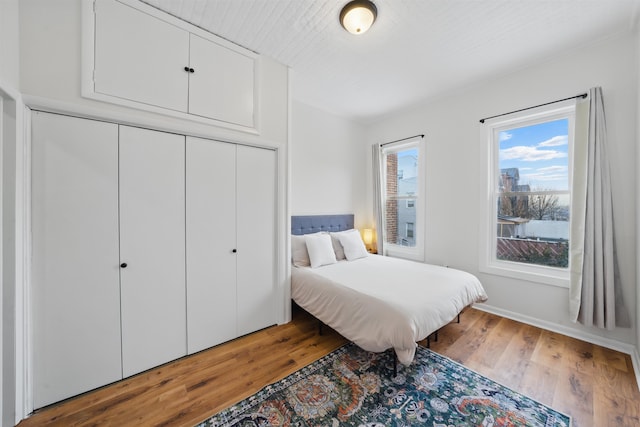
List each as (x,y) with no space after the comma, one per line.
(489,205)
(416,252)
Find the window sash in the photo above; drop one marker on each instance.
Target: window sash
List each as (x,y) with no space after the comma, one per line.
(534,193)
(395,249)
(489,263)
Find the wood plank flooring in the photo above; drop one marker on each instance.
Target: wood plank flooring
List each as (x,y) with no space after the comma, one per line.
(595,385)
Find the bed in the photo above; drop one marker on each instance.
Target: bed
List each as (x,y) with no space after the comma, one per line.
(377,302)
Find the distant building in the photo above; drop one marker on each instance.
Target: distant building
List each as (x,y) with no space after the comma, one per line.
(407,212)
(511,226)
(509,204)
(401,214)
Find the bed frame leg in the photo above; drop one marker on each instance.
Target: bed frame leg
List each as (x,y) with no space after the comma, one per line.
(395,363)
(436,335)
(319,328)
(429,341)
(458,317)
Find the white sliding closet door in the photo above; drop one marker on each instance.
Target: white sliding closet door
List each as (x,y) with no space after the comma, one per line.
(256,183)
(75,284)
(152,245)
(211,243)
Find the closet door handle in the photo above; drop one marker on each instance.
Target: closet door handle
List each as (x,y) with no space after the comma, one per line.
(234,250)
(191,70)
(187,69)
(123,265)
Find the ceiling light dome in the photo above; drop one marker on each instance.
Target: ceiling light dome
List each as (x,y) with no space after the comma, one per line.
(358,16)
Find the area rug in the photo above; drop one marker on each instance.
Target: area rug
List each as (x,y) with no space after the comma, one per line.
(352,387)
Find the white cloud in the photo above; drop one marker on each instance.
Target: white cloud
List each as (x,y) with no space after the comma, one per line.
(529,154)
(547,174)
(555,141)
(541,176)
(552,169)
(504,135)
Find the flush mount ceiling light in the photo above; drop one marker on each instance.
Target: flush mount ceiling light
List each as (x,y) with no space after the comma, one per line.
(358,16)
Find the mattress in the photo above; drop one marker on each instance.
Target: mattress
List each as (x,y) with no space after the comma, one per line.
(382,302)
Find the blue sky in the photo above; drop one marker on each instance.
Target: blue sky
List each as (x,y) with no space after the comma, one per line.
(540,152)
(407,162)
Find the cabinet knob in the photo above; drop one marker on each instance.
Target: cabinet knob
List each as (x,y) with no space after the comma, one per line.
(191,70)
(186,69)
(123,265)
(234,250)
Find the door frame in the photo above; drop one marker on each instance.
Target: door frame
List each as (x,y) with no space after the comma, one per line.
(14,255)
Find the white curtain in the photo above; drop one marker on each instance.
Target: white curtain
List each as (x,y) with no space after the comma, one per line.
(377,197)
(595,293)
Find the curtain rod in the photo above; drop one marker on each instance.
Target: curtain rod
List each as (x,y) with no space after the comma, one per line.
(403,139)
(582,95)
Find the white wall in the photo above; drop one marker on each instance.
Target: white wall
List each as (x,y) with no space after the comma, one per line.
(638,203)
(9,190)
(50,63)
(9,57)
(328,165)
(453,168)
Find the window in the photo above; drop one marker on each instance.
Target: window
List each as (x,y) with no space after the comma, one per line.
(409,231)
(402,211)
(528,207)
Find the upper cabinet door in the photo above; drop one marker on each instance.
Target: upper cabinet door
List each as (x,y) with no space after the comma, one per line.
(139,57)
(221,85)
(152,245)
(75,282)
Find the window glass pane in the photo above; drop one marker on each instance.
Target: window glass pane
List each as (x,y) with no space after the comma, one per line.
(401,191)
(533,200)
(400,223)
(536,156)
(407,172)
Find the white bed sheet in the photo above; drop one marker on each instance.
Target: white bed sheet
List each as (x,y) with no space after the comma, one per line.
(382,302)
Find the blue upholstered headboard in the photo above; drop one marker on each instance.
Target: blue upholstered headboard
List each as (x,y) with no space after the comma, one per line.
(307,224)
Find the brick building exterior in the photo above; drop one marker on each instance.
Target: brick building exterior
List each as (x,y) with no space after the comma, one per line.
(391,214)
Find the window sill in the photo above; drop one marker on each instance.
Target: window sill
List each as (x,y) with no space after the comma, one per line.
(396,251)
(535,274)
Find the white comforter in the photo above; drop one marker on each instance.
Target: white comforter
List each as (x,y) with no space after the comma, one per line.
(382,302)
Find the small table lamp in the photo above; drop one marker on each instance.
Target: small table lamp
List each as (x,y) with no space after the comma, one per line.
(367,238)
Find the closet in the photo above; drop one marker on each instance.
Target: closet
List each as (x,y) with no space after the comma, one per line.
(147,246)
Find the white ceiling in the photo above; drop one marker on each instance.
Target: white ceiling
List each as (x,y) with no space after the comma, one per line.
(416,49)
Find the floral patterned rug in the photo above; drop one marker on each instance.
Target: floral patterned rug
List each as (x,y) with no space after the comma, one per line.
(352,387)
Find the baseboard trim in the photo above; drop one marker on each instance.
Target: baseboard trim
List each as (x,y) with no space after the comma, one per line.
(629,349)
(635,358)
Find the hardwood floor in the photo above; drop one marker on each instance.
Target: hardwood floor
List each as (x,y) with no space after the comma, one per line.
(595,385)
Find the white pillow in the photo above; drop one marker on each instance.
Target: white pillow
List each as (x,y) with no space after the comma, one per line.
(320,249)
(352,244)
(337,246)
(299,253)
